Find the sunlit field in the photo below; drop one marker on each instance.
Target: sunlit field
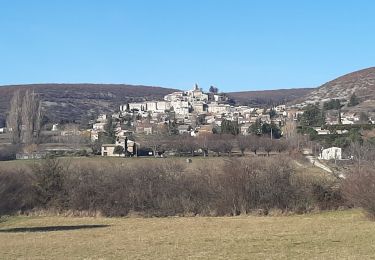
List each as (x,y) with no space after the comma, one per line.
(329,235)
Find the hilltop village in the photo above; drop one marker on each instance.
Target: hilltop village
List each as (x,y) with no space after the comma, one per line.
(192,122)
(193,113)
(196,113)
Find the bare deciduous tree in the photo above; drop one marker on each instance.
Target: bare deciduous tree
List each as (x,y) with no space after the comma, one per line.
(280,145)
(155,142)
(254,144)
(268,145)
(360,153)
(227,143)
(14,120)
(358,188)
(31,117)
(25,117)
(203,144)
(185,144)
(243,143)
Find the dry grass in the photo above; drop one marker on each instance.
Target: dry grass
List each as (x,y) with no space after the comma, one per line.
(114,161)
(331,235)
(196,162)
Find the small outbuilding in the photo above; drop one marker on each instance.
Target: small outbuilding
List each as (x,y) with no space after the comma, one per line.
(332,153)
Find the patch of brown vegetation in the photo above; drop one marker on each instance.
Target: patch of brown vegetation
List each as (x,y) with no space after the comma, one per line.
(269,97)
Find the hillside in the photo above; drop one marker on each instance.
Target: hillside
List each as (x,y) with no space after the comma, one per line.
(361,82)
(72,101)
(267,97)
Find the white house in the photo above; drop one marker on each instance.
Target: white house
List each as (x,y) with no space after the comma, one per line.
(151,106)
(141,106)
(280,108)
(94,135)
(198,107)
(181,110)
(102,118)
(163,105)
(174,96)
(346,121)
(183,129)
(219,98)
(99,126)
(332,153)
(108,150)
(218,109)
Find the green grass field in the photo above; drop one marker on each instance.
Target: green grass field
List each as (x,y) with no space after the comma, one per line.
(329,235)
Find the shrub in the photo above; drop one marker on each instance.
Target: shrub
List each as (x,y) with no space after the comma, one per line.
(9,152)
(359,189)
(15,192)
(49,182)
(162,188)
(327,197)
(259,183)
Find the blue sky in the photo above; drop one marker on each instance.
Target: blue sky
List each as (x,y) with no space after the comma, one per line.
(232,44)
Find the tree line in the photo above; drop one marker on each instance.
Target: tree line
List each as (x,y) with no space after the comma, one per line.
(223,144)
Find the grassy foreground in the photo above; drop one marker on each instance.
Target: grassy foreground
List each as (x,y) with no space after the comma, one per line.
(330,235)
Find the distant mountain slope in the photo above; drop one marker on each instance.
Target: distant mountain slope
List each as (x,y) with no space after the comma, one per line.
(361,82)
(72,101)
(267,97)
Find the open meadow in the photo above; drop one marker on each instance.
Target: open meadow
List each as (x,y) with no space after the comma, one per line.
(329,235)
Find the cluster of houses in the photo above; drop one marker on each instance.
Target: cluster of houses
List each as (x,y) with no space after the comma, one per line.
(121,138)
(192,112)
(187,106)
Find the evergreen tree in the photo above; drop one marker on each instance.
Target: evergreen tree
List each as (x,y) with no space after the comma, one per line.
(256,128)
(312,116)
(229,127)
(110,131)
(119,150)
(332,104)
(272,113)
(268,129)
(353,100)
(214,90)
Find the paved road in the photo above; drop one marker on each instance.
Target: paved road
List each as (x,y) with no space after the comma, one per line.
(316,163)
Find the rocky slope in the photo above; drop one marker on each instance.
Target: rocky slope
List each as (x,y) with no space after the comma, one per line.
(361,82)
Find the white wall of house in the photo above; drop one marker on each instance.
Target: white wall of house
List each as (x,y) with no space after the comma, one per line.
(151,106)
(198,108)
(182,110)
(218,109)
(139,106)
(108,150)
(332,153)
(98,126)
(163,105)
